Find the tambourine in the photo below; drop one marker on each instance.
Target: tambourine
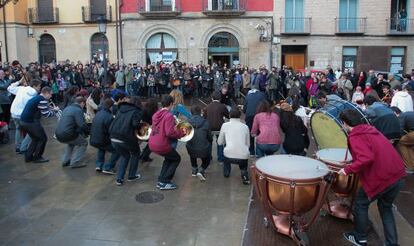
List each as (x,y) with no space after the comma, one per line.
(144,131)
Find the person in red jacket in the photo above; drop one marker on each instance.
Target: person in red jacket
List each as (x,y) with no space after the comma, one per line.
(380,169)
(161,140)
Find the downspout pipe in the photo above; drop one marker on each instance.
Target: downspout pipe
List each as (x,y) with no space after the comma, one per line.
(121,40)
(117,30)
(6,46)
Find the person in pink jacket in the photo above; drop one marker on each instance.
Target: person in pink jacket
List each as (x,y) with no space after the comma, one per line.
(380,170)
(266,129)
(163,133)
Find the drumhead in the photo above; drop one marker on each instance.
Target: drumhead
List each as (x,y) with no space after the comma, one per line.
(334,156)
(291,167)
(327,132)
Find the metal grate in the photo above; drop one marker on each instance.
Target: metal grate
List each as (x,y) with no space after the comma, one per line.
(149,197)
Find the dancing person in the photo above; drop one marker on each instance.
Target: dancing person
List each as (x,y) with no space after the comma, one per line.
(215,113)
(380,170)
(235,136)
(149,110)
(253,99)
(296,134)
(266,129)
(93,102)
(406,142)
(122,134)
(160,142)
(72,131)
(402,99)
(30,122)
(178,106)
(24,91)
(200,145)
(100,138)
(5,100)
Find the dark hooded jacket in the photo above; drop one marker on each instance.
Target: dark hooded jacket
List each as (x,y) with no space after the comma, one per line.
(375,160)
(200,145)
(100,129)
(125,123)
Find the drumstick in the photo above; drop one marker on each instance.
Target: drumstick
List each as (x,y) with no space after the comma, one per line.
(326,169)
(346,154)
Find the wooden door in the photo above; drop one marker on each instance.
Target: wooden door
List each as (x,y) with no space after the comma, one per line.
(296,61)
(45,10)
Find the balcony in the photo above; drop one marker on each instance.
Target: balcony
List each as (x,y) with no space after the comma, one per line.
(400,27)
(91,15)
(159,8)
(350,26)
(224,8)
(37,16)
(295,26)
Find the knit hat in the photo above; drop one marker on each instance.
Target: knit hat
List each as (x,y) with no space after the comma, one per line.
(368,84)
(286,107)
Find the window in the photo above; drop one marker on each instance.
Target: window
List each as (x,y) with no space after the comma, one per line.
(162,5)
(224,4)
(45,11)
(399,15)
(99,46)
(348,13)
(161,47)
(294,16)
(98,8)
(397,60)
(47,49)
(349,57)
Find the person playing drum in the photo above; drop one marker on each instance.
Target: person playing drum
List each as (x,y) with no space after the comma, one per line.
(380,169)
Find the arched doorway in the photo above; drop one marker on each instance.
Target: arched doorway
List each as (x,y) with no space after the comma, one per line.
(47,49)
(223,48)
(99,46)
(161,47)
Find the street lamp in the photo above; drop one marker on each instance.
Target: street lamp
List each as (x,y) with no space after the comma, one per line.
(102,29)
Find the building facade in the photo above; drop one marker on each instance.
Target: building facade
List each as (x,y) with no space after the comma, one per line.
(56,30)
(358,34)
(222,31)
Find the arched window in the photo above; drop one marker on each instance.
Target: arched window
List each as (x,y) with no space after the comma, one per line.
(99,46)
(47,49)
(161,47)
(223,49)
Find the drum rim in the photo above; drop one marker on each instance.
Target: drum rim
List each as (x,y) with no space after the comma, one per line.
(328,163)
(288,181)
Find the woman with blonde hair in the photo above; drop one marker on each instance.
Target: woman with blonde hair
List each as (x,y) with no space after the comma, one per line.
(178,104)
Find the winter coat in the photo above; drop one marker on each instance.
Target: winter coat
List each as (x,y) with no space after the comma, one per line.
(403,101)
(100,129)
(296,138)
(253,99)
(235,136)
(163,132)
(200,145)
(375,160)
(266,127)
(23,95)
(125,123)
(71,124)
(4,94)
(384,119)
(91,107)
(215,113)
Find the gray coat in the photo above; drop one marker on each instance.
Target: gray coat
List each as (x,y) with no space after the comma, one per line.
(71,124)
(4,94)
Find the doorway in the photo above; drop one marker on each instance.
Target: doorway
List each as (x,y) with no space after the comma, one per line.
(223,48)
(47,49)
(294,56)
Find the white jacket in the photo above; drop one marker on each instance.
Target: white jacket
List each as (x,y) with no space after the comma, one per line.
(403,101)
(235,136)
(23,95)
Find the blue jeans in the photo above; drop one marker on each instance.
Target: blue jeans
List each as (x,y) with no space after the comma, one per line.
(384,203)
(266,149)
(100,158)
(21,142)
(129,155)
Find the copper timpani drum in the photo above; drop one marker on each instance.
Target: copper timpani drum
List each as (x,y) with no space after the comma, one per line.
(344,187)
(288,188)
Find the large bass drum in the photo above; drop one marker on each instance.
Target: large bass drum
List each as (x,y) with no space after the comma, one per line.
(327,129)
(288,188)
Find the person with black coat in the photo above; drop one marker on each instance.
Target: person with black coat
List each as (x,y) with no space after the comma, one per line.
(201,143)
(122,134)
(100,138)
(296,134)
(72,131)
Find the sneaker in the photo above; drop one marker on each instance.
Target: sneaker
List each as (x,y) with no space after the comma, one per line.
(167,186)
(41,160)
(17,150)
(138,176)
(245,180)
(352,239)
(119,182)
(78,166)
(159,184)
(65,164)
(110,172)
(201,176)
(194,172)
(98,169)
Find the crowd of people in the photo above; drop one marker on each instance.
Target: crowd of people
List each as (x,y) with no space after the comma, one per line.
(245,111)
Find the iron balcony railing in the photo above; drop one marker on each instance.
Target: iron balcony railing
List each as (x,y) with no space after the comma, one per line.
(159,8)
(398,26)
(42,16)
(350,25)
(295,25)
(89,14)
(224,7)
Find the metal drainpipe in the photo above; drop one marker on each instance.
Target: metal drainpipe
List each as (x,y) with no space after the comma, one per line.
(116,29)
(5,34)
(121,40)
